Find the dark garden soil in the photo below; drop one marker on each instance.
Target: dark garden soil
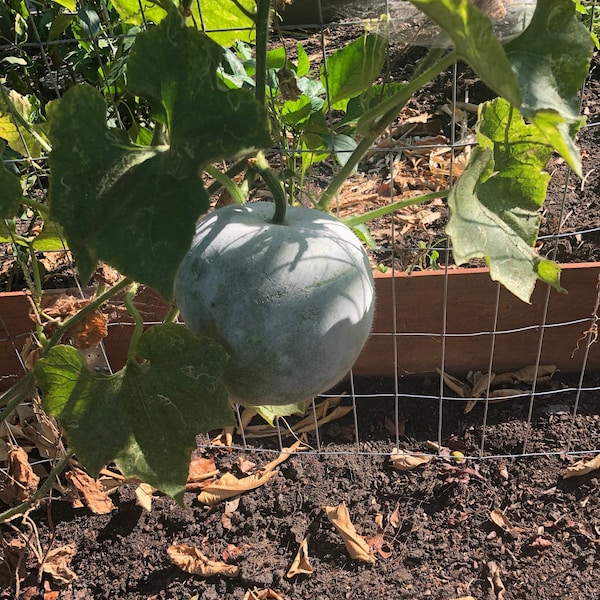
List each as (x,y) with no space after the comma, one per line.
(438,535)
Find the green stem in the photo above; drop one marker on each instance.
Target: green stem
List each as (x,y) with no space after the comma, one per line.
(41,491)
(172,314)
(274,185)
(385,210)
(42,209)
(137,319)
(86,310)
(37,279)
(18,393)
(261,20)
(374,122)
(234,170)
(227,183)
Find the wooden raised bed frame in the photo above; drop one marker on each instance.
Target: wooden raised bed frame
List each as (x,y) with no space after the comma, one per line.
(409,324)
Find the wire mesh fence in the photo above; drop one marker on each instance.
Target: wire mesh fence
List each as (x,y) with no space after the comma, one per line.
(422,368)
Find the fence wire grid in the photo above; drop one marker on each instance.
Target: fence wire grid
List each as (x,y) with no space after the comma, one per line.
(375,414)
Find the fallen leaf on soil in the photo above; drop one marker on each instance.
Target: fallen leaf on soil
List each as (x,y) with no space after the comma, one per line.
(262,595)
(245,465)
(57,564)
(498,588)
(201,468)
(229,485)
(395,520)
(13,564)
(225,438)
(378,544)
(527,375)
(357,547)
(405,461)
(301,564)
(19,482)
(192,561)
(93,493)
(501,520)
(144,495)
(539,543)
(230,507)
(582,467)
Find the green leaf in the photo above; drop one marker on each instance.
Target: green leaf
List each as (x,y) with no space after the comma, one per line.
(69,4)
(353,68)
(475,42)
(551,60)
(139,12)
(226,15)
(271,413)
(496,203)
(145,418)
(10,189)
(303,62)
(15,111)
(134,206)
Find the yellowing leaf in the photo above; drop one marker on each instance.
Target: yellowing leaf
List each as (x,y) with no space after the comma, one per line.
(57,564)
(301,564)
(92,491)
(357,547)
(582,467)
(191,560)
(405,461)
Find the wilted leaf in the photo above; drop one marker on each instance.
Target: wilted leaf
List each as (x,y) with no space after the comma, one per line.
(357,547)
(93,493)
(230,507)
(191,560)
(245,465)
(301,564)
(456,385)
(501,520)
(405,461)
(201,469)
(19,482)
(582,467)
(526,375)
(57,564)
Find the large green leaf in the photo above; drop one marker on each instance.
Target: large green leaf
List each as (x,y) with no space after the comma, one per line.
(10,189)
(496,202)
(475,41)
(352,69)
(145,418)
(224,21)
(133,206)
(551,59)
(139,12)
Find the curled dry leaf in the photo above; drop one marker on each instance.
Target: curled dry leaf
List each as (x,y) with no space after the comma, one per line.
(229,485)
(405,461)
(144,495)
(191,560)
(230,507)
(582,467)
(19,482)
(301,564)
(92,492)
(225,438)
(57,564)
(245,465)
(498,589)
(357,547)
(501,520)
(201,469)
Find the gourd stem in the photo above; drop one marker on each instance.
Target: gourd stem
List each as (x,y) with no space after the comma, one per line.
(274,185)
(138,321)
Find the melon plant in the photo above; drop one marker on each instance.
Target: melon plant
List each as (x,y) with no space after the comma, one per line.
(291,302)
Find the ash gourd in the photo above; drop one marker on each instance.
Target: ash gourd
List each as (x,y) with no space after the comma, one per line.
(292,303)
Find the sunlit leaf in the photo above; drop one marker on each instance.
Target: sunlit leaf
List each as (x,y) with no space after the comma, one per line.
(10,189)
(224,21)
(145,418)
(139,12)
(135,207)
(496,203)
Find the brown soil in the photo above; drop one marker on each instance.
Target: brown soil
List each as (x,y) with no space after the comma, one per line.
(437,520)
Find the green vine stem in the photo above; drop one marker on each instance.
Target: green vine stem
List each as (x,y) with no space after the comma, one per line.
(41,491)
(261,20)
(389,208)
(374,122)
(234,191)
(172,314)
(138,321)
(274,185)
(86,310)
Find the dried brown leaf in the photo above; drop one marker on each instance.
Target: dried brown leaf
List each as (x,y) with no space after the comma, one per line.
(245,465)
(267,594)
(582,467)
(357,547)
(395,519)
(201,469)
(378,544)
(144,495)
(230,507)
(406,461)
(191,560)
(57,564)
(527,375)
(456,385)
(301,564)
(19,482)
(91,490)
(498,588)
(501,520)
(481,385)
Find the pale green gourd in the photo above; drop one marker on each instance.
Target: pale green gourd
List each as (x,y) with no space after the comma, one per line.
(292,303)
